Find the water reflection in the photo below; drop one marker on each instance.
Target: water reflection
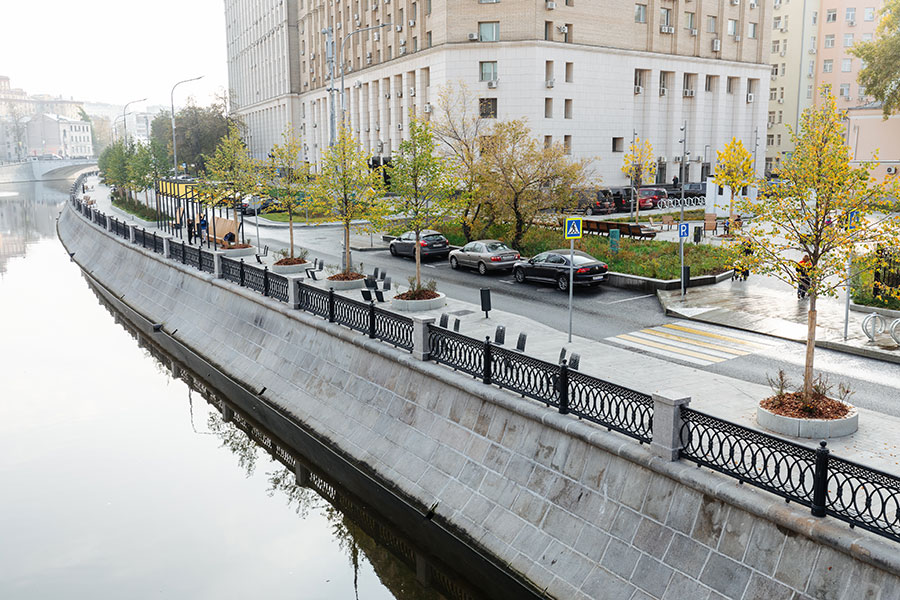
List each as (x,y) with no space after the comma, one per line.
(361,535)
(27,214)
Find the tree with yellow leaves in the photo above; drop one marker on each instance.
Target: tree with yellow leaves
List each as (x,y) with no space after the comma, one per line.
(734,170)
(807,212)
(639,165)
(289,177)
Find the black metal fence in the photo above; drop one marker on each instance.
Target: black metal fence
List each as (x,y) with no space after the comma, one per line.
(859,495)
(887,273)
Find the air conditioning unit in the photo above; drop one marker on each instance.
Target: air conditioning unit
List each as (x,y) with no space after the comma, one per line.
(400,126)
(412,91)
(377,127)
(677,159)
(812,50)
(492,84)
(368,60)
(783,52)
(562,29)
(717,45)
(638,89)
(399,28)
(401,51)
(426,109)
(315,125)
(769,125)
(781,101)
(374,6)
(694,32)
(399,93)
(312,56)
(663,91)
(411,23)
(892,170)
(338,25)
(379,147)
(473,37)
(402,41)
(551,6)
(737,38)
(749,98)
(753,5)
(368,55)
(376,36)
(302,52)
(367,129)
(666,29)
(851,23)
(358,84)
(387,96)
(356,16)
(661,159)
(549,83)
(735,2)
(688,93)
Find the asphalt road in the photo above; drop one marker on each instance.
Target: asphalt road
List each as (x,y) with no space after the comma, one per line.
(606,312)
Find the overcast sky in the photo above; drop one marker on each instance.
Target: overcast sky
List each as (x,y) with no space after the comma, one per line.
(114,50)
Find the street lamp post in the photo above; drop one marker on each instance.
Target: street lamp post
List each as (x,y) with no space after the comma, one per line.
(125,122)
(116,120)
(172,101)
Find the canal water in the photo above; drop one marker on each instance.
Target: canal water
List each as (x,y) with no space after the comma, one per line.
(119,475)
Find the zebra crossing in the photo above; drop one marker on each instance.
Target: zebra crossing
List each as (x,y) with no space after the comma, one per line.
(691,342)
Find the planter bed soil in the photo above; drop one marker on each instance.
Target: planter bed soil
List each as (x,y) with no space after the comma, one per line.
(792,405)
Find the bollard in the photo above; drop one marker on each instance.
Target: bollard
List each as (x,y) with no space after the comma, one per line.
(486,368)
(667,442)
(820,481)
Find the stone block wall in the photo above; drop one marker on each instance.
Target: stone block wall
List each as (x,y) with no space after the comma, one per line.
(581,512)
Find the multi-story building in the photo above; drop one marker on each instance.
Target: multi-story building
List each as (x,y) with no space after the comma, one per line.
(588,75)
(55,134)
(263,68)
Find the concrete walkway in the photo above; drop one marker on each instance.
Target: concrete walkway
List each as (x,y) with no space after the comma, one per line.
(876,444)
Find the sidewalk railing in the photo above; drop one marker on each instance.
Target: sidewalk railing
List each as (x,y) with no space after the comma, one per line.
(861,496)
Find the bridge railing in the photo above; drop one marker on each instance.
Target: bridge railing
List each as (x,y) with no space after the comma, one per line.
(830,486)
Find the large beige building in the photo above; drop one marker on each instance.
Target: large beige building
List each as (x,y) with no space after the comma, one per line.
(589,74)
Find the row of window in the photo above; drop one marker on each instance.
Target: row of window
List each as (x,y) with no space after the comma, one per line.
(689,82)
(488,71)
(666,19)
(849,14)
(846,65)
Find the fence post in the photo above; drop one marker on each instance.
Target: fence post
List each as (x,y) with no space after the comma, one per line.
(242,272)
(563,384)
(301,474)
(167,243)
(372,319)
(132,233)
(294,292)
(420,338)
(183,257)
(331,305)
(820,481)
(265,281)
(486,368)
(217,262)
(667,442)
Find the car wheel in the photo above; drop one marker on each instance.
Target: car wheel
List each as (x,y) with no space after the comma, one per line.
(482,270)
(562,283)
(454,264)
(519,275)
(393,250)
(589,211)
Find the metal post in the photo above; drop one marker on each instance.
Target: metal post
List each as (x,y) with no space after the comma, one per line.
(372,319)
(847,297)
(329,60)
(341,53)
(174,148)
(486,368)
(571,282)
(563,388)
(265,281)
(331,305)
(683,155)
(242,272)
(820,481)
(125,121)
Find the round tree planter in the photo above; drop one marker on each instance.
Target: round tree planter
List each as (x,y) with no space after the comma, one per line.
(237,252)
(345,284)
(419,305)
(814,429)
(290,269)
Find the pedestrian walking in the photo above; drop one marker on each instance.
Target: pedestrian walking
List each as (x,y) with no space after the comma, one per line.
(204,225)
(803,276)
(190,229)
(675,181)
(744,273)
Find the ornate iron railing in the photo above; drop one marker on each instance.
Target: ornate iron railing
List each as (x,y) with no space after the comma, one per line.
(256,279)
(314,300)
(176,251)
(864,497)
(279,287)
(232,270)
(139,235)
(159,244)
(394,329)
(351,313)
(207,262)
(457,351)
(773,464)
(100,219)
(530,377)
(613,406)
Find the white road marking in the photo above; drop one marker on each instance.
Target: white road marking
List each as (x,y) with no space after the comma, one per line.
(630,299)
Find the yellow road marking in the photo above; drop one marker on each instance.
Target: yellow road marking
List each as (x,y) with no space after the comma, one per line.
(713,335)
(685,340)
(669,348)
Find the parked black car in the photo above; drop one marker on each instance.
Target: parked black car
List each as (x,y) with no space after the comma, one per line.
(594,202)
(621,198)
(265,205)
(553,266)
(691,190)
(433,243)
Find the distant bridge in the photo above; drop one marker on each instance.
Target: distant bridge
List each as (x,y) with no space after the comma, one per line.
(44,170)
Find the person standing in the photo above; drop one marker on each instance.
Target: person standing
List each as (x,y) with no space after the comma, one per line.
(675,181)
(204,225)
(803,276)
(190,229)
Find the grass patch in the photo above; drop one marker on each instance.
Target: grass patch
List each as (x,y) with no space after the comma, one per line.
(136,208)
(694,214)
(282,217)
(862,293)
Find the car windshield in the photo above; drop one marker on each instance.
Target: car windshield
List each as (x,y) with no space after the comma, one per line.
(580,260)
(433,237)
(496,247)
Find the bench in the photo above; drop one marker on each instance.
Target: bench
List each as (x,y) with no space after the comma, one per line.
(637,231)
(710,223)
(222,227)
(668,221)
(596,227)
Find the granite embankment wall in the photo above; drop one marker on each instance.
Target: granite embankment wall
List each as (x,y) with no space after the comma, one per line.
(581,512)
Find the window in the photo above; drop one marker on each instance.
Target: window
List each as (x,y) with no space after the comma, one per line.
(780,116)
(548,141)
(488,70)
(862,91)
(868,14)
(751,31)
(567,108)
(487,108)
(568,36)
(689,20)
(570,72)
(570,2)
(689,81)
(867,37)
(815,17)
(828,66)
(415,44)
(618,144)
(829,41)
(776,24)
(844,90)
(665,17)
(413,13)
(710,83)
(489,31)
(640,13)
(732,27)
(809,91)
(775,70)
(711,24)
(567,144)
(731,85)
(846,65)
(776,46)
(548,70)
(548,108)
(773,94)
(850,15)
(848,40)
(770,140)
(427,7)
(771,117)
(663,80)
(831,15)
(638,77)
(428,39)
(548,31)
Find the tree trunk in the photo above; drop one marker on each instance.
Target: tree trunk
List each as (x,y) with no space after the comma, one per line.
(290,226)
(810,347)
(347,247)
(731,211)
(418,263)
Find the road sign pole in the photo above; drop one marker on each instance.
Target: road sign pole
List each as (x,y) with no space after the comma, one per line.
(571,282)
(683,230)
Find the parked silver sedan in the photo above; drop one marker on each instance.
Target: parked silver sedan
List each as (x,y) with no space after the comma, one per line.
(484,255)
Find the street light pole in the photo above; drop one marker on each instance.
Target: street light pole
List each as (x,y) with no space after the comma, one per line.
(125,122)
(343,40)
(172,101)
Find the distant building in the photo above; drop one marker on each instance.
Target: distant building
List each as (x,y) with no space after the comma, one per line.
(869,134)
(59,135)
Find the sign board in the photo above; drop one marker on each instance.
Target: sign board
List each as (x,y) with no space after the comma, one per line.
(573,228)
(853,220)
(684,230)
(614,241)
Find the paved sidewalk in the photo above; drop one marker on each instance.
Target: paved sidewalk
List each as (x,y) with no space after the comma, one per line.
(876,444)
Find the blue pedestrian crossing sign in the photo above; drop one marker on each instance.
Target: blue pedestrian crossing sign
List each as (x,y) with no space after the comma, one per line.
(573,228)
(683,230)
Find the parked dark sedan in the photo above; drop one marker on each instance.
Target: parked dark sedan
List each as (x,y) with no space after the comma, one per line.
(553,266)
(431,242)
(692,190)
(594,202)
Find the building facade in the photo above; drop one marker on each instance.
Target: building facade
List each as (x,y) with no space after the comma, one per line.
(873,139)
(58,135)
(590,75)
(263,68)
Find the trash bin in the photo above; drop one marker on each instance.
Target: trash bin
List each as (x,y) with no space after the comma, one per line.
(698,233)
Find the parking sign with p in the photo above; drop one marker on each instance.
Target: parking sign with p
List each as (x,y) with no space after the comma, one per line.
(573,228)
(683,230)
